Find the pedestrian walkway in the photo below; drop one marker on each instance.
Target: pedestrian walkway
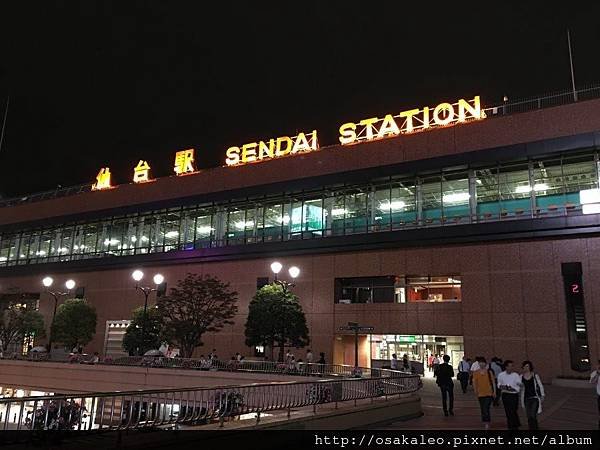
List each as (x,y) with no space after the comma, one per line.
(564,409)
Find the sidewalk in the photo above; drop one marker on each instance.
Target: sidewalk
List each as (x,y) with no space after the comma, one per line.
(564,409)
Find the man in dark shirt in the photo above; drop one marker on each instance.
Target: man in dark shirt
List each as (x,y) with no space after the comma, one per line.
(444,374)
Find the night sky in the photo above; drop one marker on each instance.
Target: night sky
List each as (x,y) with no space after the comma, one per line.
(101,83)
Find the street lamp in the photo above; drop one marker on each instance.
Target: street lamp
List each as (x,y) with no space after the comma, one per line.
(276,268)
(293,271)
(158,279)
(56,294)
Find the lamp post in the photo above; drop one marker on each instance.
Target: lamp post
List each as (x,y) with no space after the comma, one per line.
(48,282)
(293,271)
(158,279)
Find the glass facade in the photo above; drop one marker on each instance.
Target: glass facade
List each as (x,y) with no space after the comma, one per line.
(525,189)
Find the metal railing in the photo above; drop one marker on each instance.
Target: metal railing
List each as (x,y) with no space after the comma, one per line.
(46,195)
(546,101)
(191,406)
(274,367)
(513,107)
(271,367)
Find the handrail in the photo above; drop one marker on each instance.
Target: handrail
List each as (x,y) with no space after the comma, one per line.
(274,367)
(299,368)
(191,406)
(539,102)
(397,374)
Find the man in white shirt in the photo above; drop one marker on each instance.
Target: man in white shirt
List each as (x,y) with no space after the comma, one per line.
(474,368)
(509,383)
(309,356)
(394,362)
(464,368)
(595,378)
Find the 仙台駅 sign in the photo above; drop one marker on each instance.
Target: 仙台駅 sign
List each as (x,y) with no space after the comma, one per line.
(374,128)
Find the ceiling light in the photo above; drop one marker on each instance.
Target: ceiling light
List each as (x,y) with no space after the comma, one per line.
(456,197)
(394,205)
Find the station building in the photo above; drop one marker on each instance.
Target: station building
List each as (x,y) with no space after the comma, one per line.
(478,237)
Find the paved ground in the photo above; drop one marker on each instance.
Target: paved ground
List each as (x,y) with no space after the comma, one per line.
(564,409)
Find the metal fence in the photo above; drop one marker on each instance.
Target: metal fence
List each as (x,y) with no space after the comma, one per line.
(190,406)
(298,368)
(546,101)
(272,367)
(46,195)
(512,107)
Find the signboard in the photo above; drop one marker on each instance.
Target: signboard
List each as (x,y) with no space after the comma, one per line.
(359,329)
(406,339)
(412,120)
(374,128)
(272,149)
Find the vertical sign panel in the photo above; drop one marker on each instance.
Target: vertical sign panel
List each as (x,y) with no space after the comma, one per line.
(578,339)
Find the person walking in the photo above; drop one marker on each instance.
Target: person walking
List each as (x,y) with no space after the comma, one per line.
(309,360)
(321,362)
(484,385)
(435,363)
(443,375)
(532,394)
(496,366)
(309,356)
(291,365)
(595,379)
(430,362)
(509,383)
(405,363)
(394,362)
(474,367)
(464,369)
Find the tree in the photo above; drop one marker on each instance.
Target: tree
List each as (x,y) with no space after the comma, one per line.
(17,321)
(198,304)
(74,323)
(275,318)
(132,341)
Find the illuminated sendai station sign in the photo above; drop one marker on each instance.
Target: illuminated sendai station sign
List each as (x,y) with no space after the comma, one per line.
(271,149)
(410,121)
(374,128)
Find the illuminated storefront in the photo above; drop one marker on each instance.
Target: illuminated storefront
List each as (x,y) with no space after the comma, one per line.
(417,347)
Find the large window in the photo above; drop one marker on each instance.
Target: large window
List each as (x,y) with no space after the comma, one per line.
(456,196)
(504,191)
(365,290)
(433,288)
(431,199)
(487,193)
(398,289)
(515,190)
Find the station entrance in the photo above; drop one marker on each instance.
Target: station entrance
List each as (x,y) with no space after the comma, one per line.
(417,347)
(376,350)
